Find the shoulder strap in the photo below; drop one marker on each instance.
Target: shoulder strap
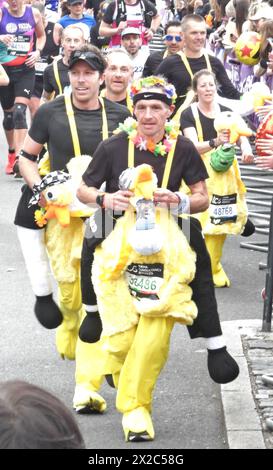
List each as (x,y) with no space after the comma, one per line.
(187,64)
(121,11)
(105,133)
(57,75)
(168,165)
(72,124)
(206,55)
(198,125)
(129,102)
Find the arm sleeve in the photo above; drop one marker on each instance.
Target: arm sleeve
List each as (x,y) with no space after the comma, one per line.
(194,169)
(150,7)
(187,119)
(226,88)
(39,127)
(98,168)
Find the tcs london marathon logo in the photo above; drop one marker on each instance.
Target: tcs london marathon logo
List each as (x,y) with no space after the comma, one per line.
(12,28)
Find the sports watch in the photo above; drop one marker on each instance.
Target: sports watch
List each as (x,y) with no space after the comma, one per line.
(100,199)
(212,144)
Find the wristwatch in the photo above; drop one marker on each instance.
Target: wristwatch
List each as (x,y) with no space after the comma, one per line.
(212,144)
(100,199)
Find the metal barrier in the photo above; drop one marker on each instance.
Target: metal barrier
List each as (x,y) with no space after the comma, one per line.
(267,313)
(259,184)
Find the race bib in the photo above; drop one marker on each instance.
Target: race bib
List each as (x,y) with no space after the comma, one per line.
(40,66)
(223,209)
(20,46)
(145,280)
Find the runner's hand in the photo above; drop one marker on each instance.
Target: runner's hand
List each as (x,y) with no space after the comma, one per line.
(165,197)
(6,39)
(32,58)
(148,34)
(42,201)
(222,137)
(122,25)
(118,201)
(247,157)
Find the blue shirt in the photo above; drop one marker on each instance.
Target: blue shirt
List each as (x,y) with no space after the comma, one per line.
(52,4)
(66,20)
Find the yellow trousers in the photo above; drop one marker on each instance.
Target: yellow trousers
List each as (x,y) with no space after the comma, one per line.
(214,244)
(139,354)
(70,302)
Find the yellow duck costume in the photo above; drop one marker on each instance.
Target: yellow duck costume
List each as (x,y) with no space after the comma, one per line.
(63,238)
(140,297)
(62,215)
(227,213)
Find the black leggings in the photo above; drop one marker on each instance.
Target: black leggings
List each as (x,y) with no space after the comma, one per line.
(207,323)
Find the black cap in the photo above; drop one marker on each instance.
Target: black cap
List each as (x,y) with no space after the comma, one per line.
(74,2)
(92,59)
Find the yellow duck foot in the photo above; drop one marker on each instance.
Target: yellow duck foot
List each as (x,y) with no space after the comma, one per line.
(87,401)
(138,426)
(220,279)
(66,341)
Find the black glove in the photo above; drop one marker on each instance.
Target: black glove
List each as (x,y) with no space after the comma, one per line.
(91,328)
(47,312)
(222,367)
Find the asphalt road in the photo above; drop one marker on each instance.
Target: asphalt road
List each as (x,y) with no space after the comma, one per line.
(187,411)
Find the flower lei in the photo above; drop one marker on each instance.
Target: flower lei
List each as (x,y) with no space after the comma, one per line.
(161,148)
(153,82)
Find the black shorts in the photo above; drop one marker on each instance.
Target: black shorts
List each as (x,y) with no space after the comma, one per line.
(24,216)
(21,84)
(38,87)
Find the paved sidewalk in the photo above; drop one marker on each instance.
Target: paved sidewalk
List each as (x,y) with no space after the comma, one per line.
(247,402)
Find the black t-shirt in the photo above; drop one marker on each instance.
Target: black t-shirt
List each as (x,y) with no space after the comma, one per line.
(150,12)
(50,83)
(176,73)
(207,124)
(111,158)
(50,125)
(152,63)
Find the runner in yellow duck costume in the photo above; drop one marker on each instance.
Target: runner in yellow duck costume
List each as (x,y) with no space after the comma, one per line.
(142,288)
(62,215)
(227,213)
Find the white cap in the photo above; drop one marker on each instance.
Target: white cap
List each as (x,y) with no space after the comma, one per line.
(130,31)
(264,11)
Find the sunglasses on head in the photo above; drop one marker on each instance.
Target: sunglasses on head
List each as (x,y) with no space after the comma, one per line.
(170,37)
(84,55)
(92,59)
